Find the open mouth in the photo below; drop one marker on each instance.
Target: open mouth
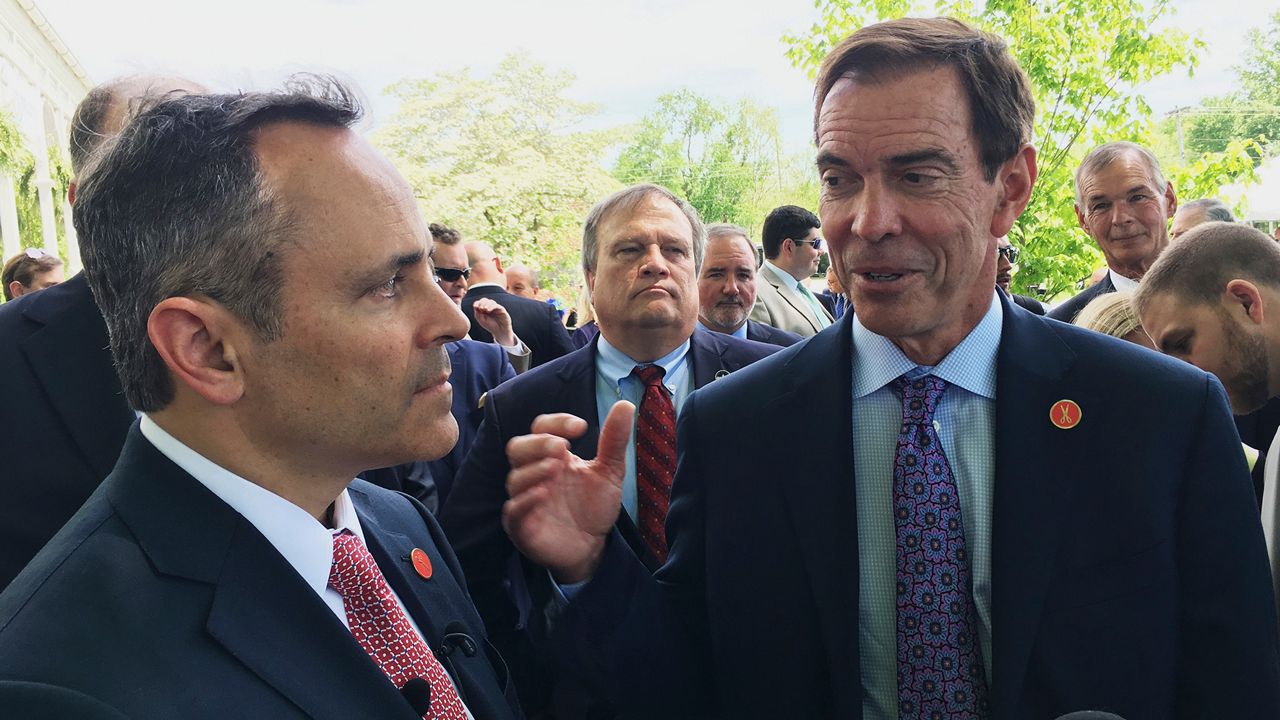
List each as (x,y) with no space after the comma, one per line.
(881,277)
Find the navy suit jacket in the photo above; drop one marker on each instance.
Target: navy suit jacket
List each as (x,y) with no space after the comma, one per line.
(160,601)
(534,322)
(766,333)
(64,415)
(1129,572)
(1070,308)
(472,518)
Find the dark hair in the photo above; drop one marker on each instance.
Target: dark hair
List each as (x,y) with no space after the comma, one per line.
(1214,209)
(1001,108)
(24,267)
(788,221)
(175,206)
(1197,268)
(444,235)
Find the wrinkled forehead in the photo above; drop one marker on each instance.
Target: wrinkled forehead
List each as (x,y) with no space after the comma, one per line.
(450,256)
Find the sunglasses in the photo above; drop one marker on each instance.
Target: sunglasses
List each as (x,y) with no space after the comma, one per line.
(816,243)
(453,274)
(1010,253)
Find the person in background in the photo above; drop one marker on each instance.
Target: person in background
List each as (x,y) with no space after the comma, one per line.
(792,251)
(727,288)
(30,270)
(535,322)
(1196,212)
(1007,258)
(523,281)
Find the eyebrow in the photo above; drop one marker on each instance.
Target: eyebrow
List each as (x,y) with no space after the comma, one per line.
(829,158)
(915,157)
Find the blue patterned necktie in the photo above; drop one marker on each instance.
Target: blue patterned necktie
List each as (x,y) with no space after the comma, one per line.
(940,672)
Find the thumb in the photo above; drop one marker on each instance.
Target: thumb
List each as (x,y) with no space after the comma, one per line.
(611,450)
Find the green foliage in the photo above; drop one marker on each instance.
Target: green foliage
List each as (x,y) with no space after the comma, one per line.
(503,159)
(18,162)
(1084,59)
(711,154)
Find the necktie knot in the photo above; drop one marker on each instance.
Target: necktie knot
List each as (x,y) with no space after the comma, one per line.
(920,397)
(650,375)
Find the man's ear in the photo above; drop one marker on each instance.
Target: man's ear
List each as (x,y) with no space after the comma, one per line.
(1016,178)
(1248,297)
(590,277)
(194,337)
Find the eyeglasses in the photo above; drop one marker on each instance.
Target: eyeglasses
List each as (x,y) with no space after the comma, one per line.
(1010,253)
(448,274)
(816,243)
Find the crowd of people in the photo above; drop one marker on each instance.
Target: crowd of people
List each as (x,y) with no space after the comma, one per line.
(722,495)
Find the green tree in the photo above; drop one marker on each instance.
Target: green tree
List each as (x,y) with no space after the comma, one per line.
(18,162)
(504,159)
(715,155)
(1084,59)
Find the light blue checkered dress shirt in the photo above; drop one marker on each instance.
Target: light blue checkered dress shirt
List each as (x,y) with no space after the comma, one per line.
(965,422)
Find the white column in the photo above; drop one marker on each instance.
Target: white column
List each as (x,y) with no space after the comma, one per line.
(73,243)
(9,217)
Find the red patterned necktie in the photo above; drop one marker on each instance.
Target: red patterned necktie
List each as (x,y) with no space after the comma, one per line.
(655,458)
(382,628)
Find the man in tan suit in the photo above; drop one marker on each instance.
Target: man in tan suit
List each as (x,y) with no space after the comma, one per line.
(792,248)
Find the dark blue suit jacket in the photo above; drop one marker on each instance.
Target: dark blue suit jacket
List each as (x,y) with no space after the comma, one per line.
(536,323)
(64,415)
(473,516)
(160,601)
(1070,308)
(766,333)
(1129,572)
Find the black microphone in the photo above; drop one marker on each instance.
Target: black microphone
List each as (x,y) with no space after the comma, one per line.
(1089,715)
(456,638)
(417,692)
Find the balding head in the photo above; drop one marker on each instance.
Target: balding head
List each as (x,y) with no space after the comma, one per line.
(105,110)
(485,265)
(523,281)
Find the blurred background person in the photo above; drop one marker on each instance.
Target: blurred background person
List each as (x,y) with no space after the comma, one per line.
(30,270)
(1197,212)
(1006,258)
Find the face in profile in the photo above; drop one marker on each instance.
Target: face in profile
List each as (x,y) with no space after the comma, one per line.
(360,374)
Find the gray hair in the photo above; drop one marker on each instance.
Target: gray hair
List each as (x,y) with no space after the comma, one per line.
(175,206)
(626,200)
(1214,209)
(1107,153)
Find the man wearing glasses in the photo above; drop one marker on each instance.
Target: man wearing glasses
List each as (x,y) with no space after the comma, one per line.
(792,248)
(1006,258)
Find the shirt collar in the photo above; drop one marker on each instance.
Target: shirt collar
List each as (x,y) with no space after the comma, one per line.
(486,284)
(615,366)
(1122,283)
(786,277)
(303,541)
(741,332)
(970,365)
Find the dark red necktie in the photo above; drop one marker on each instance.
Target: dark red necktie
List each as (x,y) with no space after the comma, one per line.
(655,458)
(382,628)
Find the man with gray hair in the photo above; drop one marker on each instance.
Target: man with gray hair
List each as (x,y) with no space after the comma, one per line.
(64,415)
(1124,202)
(266,280)
(641,250)
(727,288)
(1196,212)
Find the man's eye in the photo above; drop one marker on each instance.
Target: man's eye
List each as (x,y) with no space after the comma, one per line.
(390,288)
(916,178)
(1099,206)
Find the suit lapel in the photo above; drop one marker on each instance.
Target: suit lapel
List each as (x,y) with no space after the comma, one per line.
(86,396)
(261,611)
(792,298)
(1036,463)
(819,488)
(578,383)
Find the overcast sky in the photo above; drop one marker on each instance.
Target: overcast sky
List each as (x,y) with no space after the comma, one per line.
(624,53)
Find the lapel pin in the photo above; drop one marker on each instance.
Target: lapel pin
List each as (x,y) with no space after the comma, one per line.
(421,563)
(1065,414)
(721,374)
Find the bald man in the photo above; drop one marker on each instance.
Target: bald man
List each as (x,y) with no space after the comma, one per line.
(535,322)
(64,415)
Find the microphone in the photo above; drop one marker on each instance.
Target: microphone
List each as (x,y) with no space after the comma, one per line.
(1089,715)
(417,692)
(456,638)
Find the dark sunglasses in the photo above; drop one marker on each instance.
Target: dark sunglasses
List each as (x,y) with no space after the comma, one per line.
(816,243)
(453,274)
(1010,253)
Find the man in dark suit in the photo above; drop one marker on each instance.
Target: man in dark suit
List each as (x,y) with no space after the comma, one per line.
(266,280)
(1007,257)
(65,417)
(1125,203)
(536,323)
(948,542)
(727,288)
(641,250)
